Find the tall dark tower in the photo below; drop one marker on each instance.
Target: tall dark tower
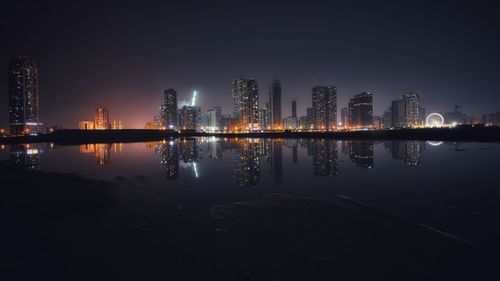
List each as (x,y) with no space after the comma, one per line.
(294,109)
(169,109)
(275,104)
(23,96)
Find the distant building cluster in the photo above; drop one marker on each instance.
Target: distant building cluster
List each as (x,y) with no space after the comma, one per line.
(101,121)
(249,115)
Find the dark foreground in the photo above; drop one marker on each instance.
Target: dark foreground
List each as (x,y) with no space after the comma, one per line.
(464,133)
(62,227)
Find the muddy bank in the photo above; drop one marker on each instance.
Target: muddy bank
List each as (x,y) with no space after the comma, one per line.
(62,227)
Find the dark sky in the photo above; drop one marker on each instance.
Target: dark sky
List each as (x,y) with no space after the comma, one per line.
(122,54)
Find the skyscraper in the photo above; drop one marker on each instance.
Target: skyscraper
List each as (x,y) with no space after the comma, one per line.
(275,104)
(23,96)
(246,103)
(190,117)
(406,111)
(411,109)
(169,109)
(309,118)
(361,111)
(324,106)
(344,117)
(294,109)
(263,118)
(101,118)
(214,116)
(398,116)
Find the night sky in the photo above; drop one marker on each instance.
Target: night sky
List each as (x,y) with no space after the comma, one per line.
(122,54)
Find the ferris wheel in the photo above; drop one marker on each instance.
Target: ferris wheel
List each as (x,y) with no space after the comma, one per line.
(434,120)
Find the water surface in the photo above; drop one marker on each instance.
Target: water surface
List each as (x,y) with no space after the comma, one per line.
(449,186)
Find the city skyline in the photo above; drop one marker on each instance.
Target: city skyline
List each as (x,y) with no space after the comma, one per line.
(408,53)
(247,114)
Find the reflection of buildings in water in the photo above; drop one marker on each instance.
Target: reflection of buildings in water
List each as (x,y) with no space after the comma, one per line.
(215,150)
(264,147)
(117,147)
(27,156)
(325,157)
(293,144)
(295,157)
(101,150)
(190,150)
(361,154)
(87,148)
(246,163)
(169,153)
(277,161)
(409,152)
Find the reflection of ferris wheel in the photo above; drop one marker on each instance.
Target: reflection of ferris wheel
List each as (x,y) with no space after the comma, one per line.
(434,120)
(435,143)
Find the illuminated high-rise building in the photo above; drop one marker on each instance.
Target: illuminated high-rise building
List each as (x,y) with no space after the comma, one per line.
(361,111)
(168,109)
(214,117)
(411,109)
(275,104)
(190,117)
(101,118)
(398,114)
(344,117)
(324,107)
(406,111)
(246,103)
(264,118)
(23,96)
(309,118)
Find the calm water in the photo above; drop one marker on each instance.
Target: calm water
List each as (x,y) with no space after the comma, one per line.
(453,187)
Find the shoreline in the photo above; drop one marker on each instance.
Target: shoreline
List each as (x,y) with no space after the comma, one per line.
(75,136)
